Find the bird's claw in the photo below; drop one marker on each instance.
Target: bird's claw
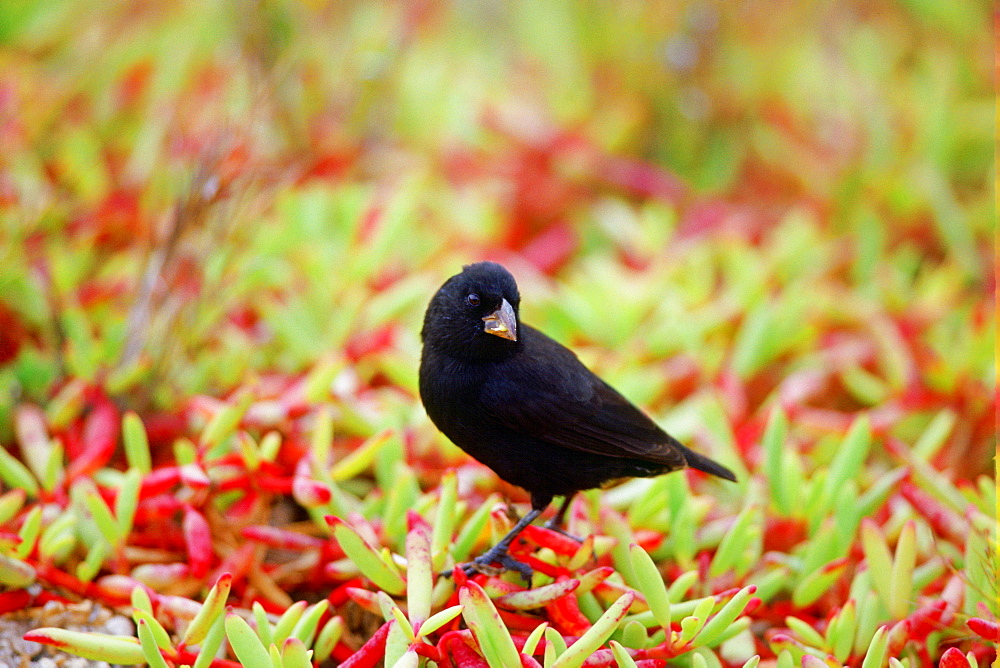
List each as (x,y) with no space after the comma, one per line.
(484,564)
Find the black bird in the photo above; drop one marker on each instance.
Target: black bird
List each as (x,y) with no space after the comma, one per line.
(525,406)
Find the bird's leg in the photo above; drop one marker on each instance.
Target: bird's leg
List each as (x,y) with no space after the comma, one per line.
(498,553)
(556,523)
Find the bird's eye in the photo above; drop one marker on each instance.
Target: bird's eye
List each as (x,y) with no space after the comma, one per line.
(473,299)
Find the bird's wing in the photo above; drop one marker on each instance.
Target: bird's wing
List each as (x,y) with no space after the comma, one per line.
(545,392)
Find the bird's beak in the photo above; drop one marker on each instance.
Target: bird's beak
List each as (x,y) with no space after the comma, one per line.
(502,322)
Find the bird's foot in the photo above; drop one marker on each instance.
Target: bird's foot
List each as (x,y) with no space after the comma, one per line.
(497,555)
(553,525)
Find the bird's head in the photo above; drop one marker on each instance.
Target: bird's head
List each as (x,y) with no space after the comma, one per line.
(475,313)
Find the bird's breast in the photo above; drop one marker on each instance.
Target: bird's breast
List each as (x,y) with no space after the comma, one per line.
(449,389)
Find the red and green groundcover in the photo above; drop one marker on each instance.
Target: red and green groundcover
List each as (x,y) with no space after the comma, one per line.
(769,225)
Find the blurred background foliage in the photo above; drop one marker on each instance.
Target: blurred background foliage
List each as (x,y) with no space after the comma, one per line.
(196,193)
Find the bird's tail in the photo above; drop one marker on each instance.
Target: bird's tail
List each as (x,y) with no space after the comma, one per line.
(703,463)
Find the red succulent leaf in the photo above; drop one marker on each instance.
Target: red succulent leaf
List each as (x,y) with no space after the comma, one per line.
(156,509)
(641,178)
(134,82)
(274,484)
(984,628)
(550,250)
(57,578)
(429,651)
(781,534)
(415,520)
(14,600)
(237,563)
(373,651)
(369,223)
(555,541)
(342,593)
(465,656)
(543,567)
(193,475)
(927,619)
(330,166)
(159,481)
(648,539)
(116,223)
(367,343)
(953,658)
(281,538)
(182,656)
(516,621)
(198,538)
(564,614)
(100,436)
(13,334)
(528,662)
